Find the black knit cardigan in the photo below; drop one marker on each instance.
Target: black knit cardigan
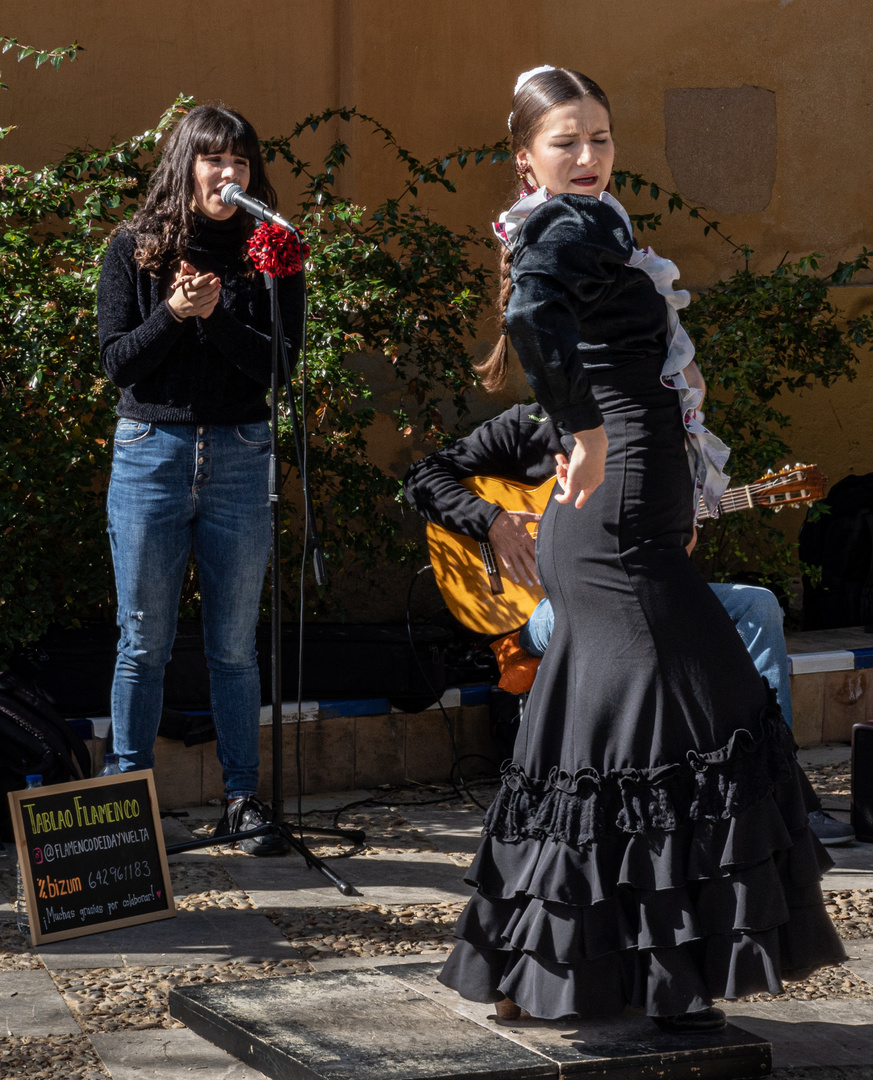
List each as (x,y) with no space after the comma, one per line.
(214,370)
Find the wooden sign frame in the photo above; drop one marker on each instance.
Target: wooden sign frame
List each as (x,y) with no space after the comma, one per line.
(71,822)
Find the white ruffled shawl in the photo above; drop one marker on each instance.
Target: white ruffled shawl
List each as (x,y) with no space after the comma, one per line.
(707,454)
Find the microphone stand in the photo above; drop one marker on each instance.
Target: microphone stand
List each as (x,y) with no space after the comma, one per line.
(277,826)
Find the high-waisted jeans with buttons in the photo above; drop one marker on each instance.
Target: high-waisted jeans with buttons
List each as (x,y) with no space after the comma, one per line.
(178,488)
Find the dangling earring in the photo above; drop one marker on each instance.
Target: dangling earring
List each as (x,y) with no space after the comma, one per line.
(527,186)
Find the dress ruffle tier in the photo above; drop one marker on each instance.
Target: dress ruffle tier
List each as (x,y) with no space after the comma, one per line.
(660,889)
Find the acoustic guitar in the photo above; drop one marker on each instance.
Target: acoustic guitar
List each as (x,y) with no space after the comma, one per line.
(468,572)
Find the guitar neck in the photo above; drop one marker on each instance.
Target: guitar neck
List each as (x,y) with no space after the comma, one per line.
(761,493)
(734,499)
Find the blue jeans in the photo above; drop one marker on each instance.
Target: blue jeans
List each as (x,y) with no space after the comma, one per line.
(177,488)
(755,612)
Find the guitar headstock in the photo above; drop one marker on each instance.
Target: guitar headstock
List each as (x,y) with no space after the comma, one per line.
(793,484)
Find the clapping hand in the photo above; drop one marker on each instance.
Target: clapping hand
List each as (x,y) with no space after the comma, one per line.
(193,293)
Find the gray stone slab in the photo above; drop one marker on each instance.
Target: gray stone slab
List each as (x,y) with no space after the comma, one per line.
(839,806)
(353,1025)
(853,863)
(629,1044)
(857,857)
(167,1054)
(177,830)
(456,830)
(804,1034)
(843,637)
(393,1024)
(193,937)
(824,754)
(325,801)
(413,878)
(31,1004)
(349,963)
(860,962)
(846,878)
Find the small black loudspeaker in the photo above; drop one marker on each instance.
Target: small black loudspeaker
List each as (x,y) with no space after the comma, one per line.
(862,781)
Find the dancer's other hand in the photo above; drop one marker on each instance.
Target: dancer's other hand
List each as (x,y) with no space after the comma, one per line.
(584,472)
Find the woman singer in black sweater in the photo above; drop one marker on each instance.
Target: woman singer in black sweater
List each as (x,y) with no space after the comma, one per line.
(184,323)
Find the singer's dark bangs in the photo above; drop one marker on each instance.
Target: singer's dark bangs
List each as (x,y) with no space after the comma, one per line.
(220,131)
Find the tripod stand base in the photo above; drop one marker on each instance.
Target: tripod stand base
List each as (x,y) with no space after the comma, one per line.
(354,836)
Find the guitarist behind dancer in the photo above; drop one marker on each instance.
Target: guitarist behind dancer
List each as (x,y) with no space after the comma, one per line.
(524,446)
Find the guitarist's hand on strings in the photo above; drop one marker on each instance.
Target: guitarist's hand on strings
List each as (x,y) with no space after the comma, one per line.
(584,472)
(514,545)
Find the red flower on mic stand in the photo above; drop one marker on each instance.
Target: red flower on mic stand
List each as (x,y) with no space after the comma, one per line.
(277,251)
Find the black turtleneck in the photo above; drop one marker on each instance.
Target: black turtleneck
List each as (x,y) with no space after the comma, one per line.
(212,371)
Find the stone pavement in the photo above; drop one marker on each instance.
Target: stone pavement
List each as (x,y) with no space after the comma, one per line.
(95,1007)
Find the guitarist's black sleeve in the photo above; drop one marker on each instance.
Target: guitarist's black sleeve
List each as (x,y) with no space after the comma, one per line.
(520,445)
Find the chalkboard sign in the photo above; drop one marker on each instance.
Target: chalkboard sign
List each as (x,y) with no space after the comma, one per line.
(92,855)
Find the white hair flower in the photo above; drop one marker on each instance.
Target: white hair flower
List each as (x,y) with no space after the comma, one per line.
(521,80)
(525,75)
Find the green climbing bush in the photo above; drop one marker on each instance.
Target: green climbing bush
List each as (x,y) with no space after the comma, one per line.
(394,297)
(760,335)
(389,286)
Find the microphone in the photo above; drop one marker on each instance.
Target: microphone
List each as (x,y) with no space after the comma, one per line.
(233,195)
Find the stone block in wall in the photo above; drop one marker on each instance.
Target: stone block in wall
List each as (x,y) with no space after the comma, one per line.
(380,750)
(845,703)
(289,760)
(330,754)
(428,747)
(807,707)
(472,730)
(178,773)
(213,781)
(721,146)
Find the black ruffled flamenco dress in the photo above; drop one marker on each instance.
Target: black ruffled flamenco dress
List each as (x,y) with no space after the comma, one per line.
(649,845)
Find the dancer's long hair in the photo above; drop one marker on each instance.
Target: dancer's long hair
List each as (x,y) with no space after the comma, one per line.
(530,106)
(164,223)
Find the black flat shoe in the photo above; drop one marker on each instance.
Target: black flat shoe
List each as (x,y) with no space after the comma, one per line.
(250,813)
(705,1020)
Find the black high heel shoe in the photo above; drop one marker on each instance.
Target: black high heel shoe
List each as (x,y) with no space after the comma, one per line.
(705,1020)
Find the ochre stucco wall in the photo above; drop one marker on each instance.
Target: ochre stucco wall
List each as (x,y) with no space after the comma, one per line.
(439,74)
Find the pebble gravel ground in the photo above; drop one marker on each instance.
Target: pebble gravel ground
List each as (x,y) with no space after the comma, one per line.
(50,1057)
(135,998)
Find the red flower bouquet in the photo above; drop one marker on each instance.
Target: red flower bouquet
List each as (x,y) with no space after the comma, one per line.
(277,251)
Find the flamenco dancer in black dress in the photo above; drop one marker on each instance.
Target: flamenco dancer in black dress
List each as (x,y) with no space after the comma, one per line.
(649,845)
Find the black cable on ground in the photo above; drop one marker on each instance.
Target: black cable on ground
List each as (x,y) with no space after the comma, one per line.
(447,796)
